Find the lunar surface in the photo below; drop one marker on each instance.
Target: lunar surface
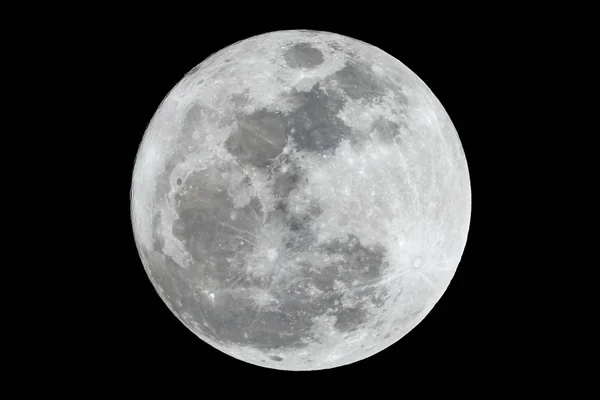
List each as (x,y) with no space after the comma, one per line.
(300,200)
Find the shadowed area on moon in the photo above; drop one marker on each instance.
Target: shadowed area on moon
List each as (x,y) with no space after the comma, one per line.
(217,290)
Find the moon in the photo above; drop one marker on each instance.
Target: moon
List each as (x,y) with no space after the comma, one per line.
(300,200)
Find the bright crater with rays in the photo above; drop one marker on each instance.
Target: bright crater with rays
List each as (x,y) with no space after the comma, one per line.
(300,200)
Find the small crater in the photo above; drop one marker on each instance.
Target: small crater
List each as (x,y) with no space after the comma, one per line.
(417,262)
(272,254)
(179,181)
(276,358)
(387,336)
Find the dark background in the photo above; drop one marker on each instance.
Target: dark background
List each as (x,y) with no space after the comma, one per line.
(464,339)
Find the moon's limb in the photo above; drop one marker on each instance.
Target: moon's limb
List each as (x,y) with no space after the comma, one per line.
(301,200)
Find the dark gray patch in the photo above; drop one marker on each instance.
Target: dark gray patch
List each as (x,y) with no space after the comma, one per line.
(192,120)
(314,124)
(285,182)
(388,131)
(360,264)
(325,279)
(216,241)
(237,319)
(309,32)
(175,283)
(335,46)
(260,137)
(338,48)
(301,238)
(193,70)
(387,336)
(379,299)
(288,324)
(348,319)
(179,229)
(206,228)
(358,81)
(179,182)
(158,240)
(303,55)
(299,225)
(229,315)
(276,218)
(239,100)
(276,358)
(399,95)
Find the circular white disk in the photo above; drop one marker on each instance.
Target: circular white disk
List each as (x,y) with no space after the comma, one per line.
(301,200)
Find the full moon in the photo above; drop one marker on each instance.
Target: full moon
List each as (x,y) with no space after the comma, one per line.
(300,200)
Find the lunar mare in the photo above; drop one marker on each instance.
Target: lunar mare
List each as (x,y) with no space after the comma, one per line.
(300,200)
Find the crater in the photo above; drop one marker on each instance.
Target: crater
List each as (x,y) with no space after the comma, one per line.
(303,55)
(417,262)
(276,358)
